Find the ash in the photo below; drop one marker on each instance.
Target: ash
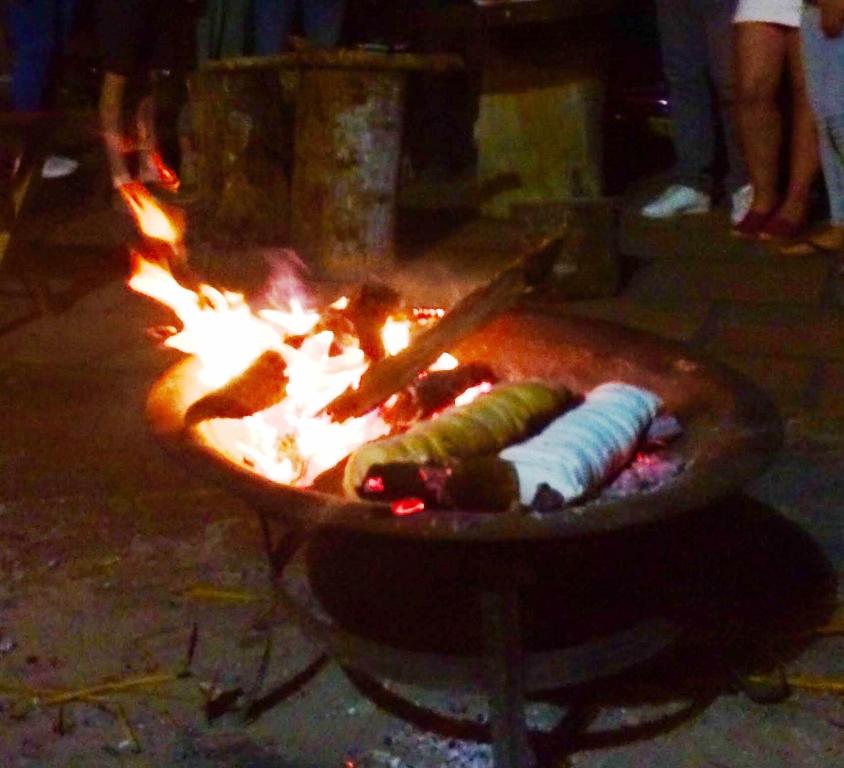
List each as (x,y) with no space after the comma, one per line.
(645,472)
(407,747)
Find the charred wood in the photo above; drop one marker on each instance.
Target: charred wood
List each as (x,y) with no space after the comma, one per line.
(260,386)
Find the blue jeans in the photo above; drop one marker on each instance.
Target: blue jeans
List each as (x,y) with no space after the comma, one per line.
(823,59)
(323,20)
(696,37)
(38,29)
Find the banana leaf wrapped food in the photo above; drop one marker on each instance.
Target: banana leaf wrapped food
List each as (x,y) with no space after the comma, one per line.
(574,454)
(509,412)
(583,448)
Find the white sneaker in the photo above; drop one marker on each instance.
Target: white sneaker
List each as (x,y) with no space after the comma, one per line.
(677,199)
(741,200)
(58,166)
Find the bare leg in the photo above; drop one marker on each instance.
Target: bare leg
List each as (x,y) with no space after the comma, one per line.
(147,139)
(760,59)
(111,125)
(804,162)
(151,167)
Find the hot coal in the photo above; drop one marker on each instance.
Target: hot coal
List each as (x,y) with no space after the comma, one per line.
(662,430)
(646,472)
(484,484)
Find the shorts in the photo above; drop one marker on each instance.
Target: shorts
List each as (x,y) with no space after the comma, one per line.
(784,12)
(138,36)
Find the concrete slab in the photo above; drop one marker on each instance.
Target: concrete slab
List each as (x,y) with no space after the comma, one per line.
(757,280)
(789,382)
(780,330)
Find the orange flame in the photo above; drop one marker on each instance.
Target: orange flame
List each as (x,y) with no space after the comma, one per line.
(293,441)
(151,219)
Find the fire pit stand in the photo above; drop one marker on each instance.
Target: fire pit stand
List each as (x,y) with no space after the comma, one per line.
(504,672)
(731,432)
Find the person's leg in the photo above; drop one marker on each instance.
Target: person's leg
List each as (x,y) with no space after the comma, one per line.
(760,59)
(32,32)
(834,130)
(271,24)
(111,125)
(720,40)
(323,21)
(684,59)
(823,62)
(803,150)
(120,28)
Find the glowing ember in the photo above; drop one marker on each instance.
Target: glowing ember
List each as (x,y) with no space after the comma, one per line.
(374,484)
(405,507)
(152,221)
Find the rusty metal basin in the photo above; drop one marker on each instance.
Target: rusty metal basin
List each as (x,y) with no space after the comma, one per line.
(732,431)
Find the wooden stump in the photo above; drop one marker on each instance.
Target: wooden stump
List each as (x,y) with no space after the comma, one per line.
(348,145)
(244,139)
(303,149)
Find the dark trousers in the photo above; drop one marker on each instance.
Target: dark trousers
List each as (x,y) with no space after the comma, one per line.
(38,29)
(323,21)
(697,53)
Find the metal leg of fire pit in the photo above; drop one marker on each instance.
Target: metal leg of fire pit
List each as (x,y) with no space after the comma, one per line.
(279,554)
(505,677)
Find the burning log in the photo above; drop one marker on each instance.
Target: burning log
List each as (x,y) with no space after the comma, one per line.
(482,483)
(434,391)
(365,315)
(260,386)
(470,313)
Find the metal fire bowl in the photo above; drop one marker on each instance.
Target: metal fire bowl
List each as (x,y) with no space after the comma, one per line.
(732,431)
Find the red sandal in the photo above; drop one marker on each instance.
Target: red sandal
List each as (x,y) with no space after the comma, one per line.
(778,228)
(752,224)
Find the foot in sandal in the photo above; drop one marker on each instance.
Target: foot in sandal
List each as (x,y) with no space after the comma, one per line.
(824,241)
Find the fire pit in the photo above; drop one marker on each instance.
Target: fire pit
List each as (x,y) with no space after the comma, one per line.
(731,431)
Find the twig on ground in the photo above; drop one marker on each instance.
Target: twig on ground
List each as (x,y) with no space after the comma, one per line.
(208,592)
(807,683)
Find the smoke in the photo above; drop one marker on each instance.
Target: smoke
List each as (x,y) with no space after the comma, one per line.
(285,281)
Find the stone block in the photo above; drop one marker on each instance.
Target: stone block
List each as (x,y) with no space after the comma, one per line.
(539,126)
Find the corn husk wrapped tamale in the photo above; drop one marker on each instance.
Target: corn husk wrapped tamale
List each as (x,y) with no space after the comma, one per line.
(507,413)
